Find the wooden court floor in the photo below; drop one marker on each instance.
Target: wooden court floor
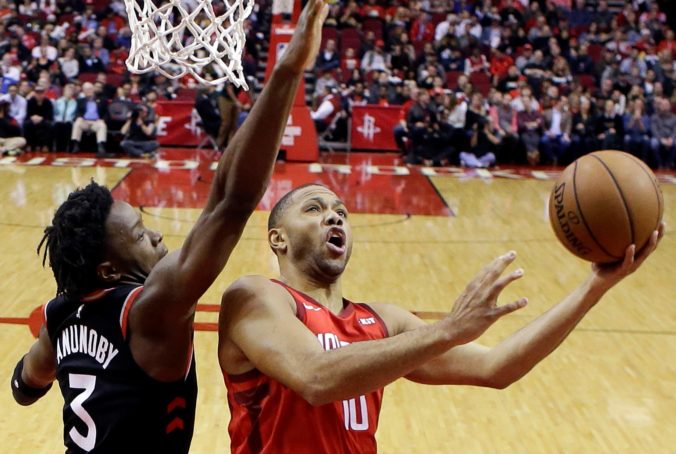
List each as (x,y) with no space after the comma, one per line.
(610,388)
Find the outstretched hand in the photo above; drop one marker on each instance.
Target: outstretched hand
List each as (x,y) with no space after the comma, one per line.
(304,46)
(476,309)
(608,275)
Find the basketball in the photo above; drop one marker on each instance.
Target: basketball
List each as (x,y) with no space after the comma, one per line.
(604,202)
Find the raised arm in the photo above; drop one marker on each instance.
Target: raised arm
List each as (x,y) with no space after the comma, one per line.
(514,357)
(258,329)
(162,317)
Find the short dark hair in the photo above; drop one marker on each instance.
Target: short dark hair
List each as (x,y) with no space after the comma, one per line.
(76,240)
(283,203)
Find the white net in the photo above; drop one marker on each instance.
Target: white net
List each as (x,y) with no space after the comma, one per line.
(197,37)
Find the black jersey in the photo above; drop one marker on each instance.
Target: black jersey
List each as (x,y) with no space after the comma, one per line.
(111,405)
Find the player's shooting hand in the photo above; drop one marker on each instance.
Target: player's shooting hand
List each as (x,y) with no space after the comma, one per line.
(606,276)
(304,46)
(477,309)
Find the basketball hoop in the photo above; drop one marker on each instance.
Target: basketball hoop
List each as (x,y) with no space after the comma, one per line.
(181,37)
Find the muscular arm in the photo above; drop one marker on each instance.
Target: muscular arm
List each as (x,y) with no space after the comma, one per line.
(514,357)
(161,320)
(257,319)
(258,329)
(507,362)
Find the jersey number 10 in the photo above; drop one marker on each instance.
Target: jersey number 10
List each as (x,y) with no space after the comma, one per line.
(356,418)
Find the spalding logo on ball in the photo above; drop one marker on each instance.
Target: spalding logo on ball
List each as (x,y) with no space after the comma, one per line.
(604,202)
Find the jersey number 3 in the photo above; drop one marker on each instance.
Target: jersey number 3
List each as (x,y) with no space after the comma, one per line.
(86,382)
(356,418)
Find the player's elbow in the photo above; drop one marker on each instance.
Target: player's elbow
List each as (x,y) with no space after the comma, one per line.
(315,394)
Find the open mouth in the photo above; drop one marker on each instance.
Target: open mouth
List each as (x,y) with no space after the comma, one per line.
(336,238)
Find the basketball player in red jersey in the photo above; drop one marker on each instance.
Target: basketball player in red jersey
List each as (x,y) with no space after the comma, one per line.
(305,368)
(118,337)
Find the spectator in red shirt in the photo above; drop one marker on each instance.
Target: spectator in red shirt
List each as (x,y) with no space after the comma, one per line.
(500,63)
(422,30)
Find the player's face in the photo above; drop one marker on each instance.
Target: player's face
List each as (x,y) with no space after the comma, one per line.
(318,232)
(132,248)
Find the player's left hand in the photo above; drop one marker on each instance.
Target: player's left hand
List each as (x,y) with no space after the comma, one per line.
(607,275)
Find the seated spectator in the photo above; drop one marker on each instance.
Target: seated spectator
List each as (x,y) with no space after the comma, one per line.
(206,105)
(610,127)
(504,125)
(139,134)
(525,57)
(328,107)
(39,122)
(11,71)
(17,104)
(65,109)
(500,65)
(529,122)
(583,137)
(476,63)
(70,66)
(580,61)
(44,50)
(328,59)
(663,128)
(349,62)
(351,16)
(374,59)
(90,115)
(555,141)
(637,130)
(100,52)
(422,29)
(482,140)
(11,142)
(89,63)
(326,80)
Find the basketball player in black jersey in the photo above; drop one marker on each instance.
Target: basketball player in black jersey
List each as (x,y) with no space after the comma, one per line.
(118,337)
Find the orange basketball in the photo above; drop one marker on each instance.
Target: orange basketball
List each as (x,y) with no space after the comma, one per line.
(604,202)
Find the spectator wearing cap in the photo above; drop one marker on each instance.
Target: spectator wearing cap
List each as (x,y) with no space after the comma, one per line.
(17,104)
(90,116)
(374,59)
(39,121)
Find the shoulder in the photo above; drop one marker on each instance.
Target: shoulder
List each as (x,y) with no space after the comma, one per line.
(397,319)
(254,291)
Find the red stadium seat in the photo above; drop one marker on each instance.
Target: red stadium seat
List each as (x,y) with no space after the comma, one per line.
(329,33)
(480,78)
(595,52)
(587,81)
(374,25)
(452,79)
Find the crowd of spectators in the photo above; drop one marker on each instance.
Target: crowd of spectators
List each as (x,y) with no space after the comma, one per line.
(479,82)
(504,81)
(65,85)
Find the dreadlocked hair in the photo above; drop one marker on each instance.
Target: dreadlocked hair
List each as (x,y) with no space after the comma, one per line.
(75,242)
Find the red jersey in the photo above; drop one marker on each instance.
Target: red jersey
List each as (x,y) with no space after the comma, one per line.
(268,417)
